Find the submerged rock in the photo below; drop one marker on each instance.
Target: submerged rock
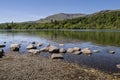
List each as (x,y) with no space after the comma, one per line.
(34,51)
(111,52)
(15,47)
(1,53)
(31,46)
(96,51)
(53,49)
(62,50)
(57,56)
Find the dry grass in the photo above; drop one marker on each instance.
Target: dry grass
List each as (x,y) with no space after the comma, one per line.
(25,67)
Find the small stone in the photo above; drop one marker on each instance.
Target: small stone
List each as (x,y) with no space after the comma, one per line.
(45,49)
(1,53)
(2,45)
(77,52)
(70,50)
(76,49)
(34,51)
(53,49)
(118,66)
(96,51)
(15,47)
(40,44)
(57,56)
(31,46)
(62,50)
(112,52)
(86,51)
(33,42)
(61,44)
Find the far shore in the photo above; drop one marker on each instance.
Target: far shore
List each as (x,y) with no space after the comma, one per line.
(15,66)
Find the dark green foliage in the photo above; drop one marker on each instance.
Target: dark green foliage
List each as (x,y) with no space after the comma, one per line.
(100,20)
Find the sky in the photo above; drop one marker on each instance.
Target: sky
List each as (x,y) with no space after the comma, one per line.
(30,10)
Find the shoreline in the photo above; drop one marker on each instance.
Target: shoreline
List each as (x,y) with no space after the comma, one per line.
(15,66)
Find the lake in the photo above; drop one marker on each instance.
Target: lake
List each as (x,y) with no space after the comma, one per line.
(102,40)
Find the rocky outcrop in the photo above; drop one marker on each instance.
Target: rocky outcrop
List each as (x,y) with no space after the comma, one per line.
(53,49)
(57,56)
(1,53)
(15,47)
(31,46)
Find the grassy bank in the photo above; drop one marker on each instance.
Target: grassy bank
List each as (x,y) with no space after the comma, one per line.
(14,66)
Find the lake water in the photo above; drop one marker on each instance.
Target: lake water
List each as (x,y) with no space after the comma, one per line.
(102,40)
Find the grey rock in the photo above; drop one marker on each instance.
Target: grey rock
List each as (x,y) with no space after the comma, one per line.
(86,51)
(53,49)
(15,47)
(70,50)
(61,44)
(77,52)
(96,51)
(112,52)
(45,49)
(34,51)
(40,44)
(76,49)
(31,46)
(118,66)
(57,56)
(62,50)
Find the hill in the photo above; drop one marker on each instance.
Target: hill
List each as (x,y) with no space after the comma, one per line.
(60,16)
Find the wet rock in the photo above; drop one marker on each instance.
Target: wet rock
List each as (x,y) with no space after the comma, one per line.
(61,44)
(15,47)
(111,52)
(40,44)
(96,51)
(31,46)
(53,49)
(76,49)
(77,52)
(2,45)
(86,51)
(33,42)
(57,56)
(45,49)
(118,66)
(62,50)
(1,53)
(34,51)
(70,50)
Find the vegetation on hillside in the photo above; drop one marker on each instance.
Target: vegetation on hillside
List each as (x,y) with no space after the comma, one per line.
(101,20)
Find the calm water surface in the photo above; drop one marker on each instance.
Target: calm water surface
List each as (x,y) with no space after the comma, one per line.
(103,40)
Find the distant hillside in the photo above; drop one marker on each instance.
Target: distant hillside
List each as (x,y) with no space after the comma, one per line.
(105,19)
(60,16)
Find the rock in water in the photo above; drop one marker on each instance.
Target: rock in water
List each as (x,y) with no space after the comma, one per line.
(86,51)
(77,52)
(62,50)
(31,46)
(112,52)
(40,44)
(76,49)
(61,44)
(34,51)
(57,56)
(118,66)
(1,53)
(45,49)
(15,47)
(53,49)
(70,50)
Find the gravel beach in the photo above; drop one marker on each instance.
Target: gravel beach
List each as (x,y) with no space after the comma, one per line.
(16,66)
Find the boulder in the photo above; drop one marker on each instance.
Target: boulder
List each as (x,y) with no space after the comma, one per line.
(40,44)
(61,44)
(76,49)
(57,56)
(2,45)
(86,51)
(70,50)
(34,51)
(45,49)
(53,49)
(62,50)
(1,53)
(15,47)
(31,46)
(77,52)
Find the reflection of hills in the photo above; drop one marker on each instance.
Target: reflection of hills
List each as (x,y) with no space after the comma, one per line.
(104,38)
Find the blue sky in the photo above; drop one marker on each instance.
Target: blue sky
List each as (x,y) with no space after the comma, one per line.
(28,10)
